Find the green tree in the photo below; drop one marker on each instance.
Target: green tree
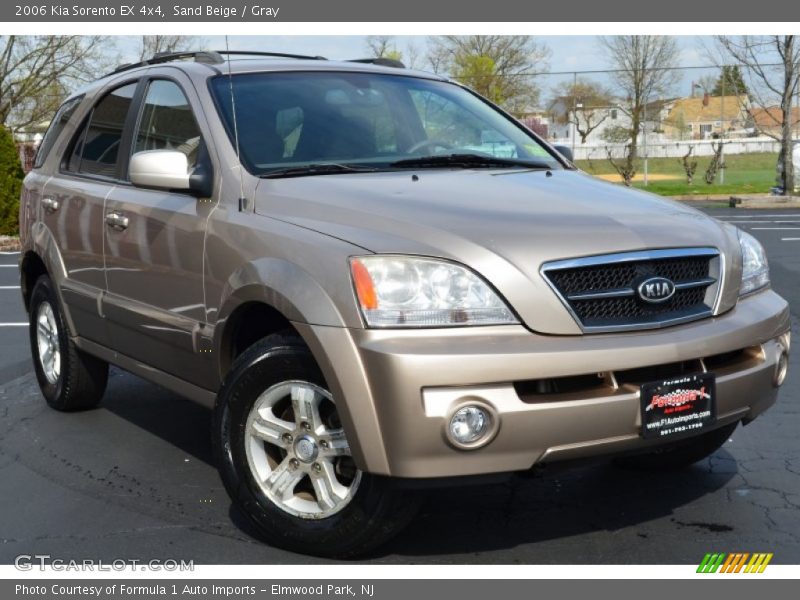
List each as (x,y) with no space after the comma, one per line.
(10,183)
(500,67)
(481,71)
(731,76)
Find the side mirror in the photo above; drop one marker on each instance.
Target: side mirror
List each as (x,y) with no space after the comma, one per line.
(169,170)
(565,151)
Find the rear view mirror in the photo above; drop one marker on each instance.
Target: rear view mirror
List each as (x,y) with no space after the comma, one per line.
(565,151)
(169,170)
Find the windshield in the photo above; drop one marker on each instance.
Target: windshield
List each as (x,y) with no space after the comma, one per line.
(288,120)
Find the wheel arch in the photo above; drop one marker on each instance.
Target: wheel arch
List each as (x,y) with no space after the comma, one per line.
(268,295)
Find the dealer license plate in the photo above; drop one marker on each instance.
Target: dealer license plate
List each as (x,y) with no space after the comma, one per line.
(680,405)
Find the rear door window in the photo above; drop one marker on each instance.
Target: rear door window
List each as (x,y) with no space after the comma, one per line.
(97,149)
(57,125)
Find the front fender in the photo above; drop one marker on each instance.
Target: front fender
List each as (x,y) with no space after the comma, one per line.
(284,286)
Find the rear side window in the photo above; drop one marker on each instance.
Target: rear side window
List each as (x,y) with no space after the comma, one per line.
(96,150)
(57,125)
(167,121)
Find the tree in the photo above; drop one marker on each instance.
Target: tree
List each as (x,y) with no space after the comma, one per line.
(153,44)
(689,165)
(36,72)
(716,162)
(10,183)
(731,79)
(771,65)
(583,103)
(643,65)
(499,67)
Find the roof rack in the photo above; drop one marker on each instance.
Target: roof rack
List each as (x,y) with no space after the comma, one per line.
(380,61)
(273,54)
(202,56)
(216,57)
(209,57)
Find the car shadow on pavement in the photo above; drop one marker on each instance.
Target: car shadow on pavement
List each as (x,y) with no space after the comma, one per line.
(555,506)
(467,520)
(177,420)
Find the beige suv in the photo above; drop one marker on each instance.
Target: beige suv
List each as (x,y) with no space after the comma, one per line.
(378,279)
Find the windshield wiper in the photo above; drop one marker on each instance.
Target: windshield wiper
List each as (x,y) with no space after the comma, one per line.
(467,161)
(315,169)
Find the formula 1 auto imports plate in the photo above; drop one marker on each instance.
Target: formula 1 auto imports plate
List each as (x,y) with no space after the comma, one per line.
(681,405)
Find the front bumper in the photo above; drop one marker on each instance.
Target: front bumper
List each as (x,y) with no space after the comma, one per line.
(400,386)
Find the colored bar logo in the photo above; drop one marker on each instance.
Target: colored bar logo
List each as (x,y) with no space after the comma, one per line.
(737,562)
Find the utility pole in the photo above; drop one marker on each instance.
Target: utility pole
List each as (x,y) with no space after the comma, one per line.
(722,132)
(574,109)
(644,140)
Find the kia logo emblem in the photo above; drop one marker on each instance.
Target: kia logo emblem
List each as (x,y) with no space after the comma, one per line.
(656,290)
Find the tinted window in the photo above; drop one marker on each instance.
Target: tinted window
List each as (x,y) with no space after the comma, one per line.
(97,148)
(167,122)
(57,125)
(292,119)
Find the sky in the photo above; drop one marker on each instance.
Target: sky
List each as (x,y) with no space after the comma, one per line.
(568,53)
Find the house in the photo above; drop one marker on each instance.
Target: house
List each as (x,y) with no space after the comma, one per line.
(706,117)
(586,123)
(770,120)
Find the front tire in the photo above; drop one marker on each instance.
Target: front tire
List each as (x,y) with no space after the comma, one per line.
(70,380)
(286,462)
(681,454)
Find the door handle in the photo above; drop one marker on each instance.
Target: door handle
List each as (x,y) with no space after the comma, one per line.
(117,221)
(50,204)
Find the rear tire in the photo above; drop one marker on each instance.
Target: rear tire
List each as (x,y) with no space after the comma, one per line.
(286,463)
(70,380)
(679,455)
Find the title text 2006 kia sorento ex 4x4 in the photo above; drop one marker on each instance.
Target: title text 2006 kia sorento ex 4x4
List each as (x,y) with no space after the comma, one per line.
(374,276)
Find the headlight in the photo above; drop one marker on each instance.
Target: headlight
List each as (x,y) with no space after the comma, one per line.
(406,291)
(755,270)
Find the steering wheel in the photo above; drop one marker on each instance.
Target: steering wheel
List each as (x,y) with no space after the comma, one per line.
(429,144)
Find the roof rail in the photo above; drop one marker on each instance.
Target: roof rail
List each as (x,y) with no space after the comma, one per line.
(273,54)
(202,56)
(381,61)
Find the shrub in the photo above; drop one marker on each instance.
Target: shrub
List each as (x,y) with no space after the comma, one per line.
(11,175)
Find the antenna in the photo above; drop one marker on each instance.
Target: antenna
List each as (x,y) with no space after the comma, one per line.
(242,199)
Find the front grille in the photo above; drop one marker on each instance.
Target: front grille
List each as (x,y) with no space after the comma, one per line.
(601,291)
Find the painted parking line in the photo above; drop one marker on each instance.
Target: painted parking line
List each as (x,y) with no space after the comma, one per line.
(8,253)
(758,222)
(754,216)
(9,266)
(13,324)
(790,239)
(775,228)
(9,287)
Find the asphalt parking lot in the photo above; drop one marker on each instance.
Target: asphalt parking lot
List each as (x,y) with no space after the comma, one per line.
(134,479)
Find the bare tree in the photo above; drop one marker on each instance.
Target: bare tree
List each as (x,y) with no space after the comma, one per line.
(412,56)
(689,165)
(771,65)
(707,83)
(499,67)
(586,104)
(643,67)
(381,46)
(36,73)
(716,162)
(153,44)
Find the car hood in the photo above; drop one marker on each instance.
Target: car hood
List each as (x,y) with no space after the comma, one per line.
(503,224)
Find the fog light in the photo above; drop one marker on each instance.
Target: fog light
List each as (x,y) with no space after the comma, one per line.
(781,369)
(786,341)
(470,426)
